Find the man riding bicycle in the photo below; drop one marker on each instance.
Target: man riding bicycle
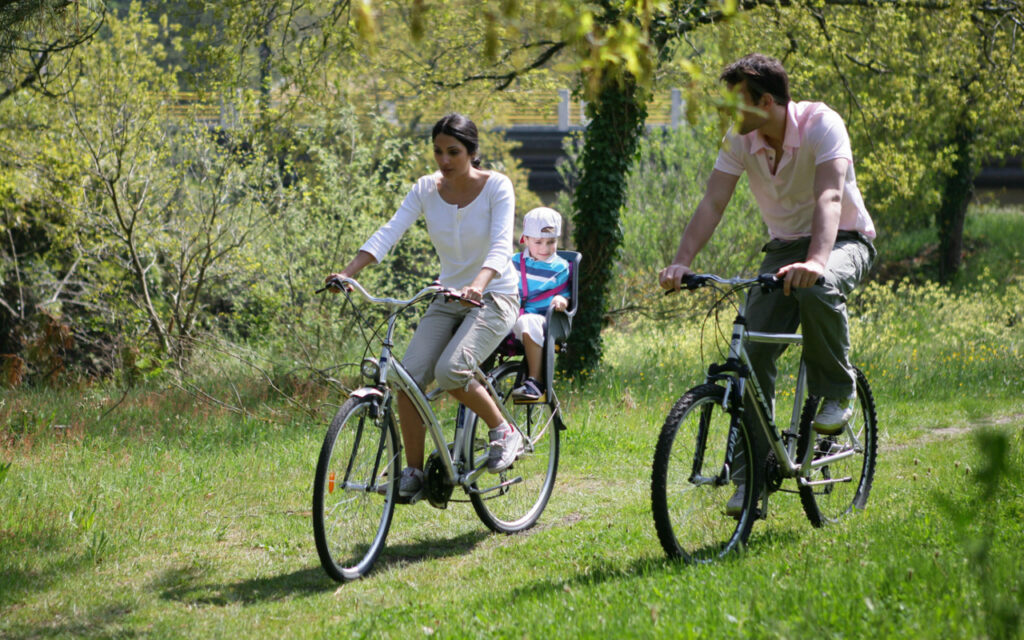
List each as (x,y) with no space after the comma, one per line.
(800,167)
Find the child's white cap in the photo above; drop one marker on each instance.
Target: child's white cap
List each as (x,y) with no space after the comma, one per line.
(542,222)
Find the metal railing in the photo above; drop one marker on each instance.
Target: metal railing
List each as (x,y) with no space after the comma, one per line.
(523,108)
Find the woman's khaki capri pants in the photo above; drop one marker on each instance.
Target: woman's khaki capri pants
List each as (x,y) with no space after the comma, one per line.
(436,353)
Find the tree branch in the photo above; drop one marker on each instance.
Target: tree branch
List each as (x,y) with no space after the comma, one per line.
(503,80)
(17,274)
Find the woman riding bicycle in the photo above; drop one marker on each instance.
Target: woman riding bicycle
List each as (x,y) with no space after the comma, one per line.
(469,214)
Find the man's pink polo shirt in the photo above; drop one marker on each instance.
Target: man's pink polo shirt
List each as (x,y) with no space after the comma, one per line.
(814,134)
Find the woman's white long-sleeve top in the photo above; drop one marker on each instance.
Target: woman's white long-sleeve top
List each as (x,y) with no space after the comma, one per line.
(466,238)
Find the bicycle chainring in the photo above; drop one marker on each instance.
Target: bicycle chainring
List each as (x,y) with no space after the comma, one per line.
(438,489)
(772,473)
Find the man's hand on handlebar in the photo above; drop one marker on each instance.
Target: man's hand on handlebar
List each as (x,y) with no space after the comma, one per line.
(800,275)
(672,276)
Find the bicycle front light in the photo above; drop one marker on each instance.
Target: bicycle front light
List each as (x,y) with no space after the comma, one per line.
(369,368)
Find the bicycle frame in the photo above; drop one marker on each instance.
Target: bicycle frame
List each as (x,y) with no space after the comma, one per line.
(741,383)
(390,373)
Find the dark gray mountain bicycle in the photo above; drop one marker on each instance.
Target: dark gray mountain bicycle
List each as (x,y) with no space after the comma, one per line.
(704,451)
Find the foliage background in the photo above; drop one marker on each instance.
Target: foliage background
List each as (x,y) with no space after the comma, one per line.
(127,507)
(189,171)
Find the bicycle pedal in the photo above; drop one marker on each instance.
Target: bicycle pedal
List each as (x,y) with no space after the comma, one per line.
(413,499)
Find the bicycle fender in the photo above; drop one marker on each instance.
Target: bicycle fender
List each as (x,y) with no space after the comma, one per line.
(367,392)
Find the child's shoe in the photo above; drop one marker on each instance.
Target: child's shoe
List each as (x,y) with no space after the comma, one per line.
(529,391)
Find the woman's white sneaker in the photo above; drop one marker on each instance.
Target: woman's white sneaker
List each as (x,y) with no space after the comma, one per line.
(410,483)
(506,446)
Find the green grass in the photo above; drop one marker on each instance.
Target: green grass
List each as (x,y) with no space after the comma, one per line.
(162,516)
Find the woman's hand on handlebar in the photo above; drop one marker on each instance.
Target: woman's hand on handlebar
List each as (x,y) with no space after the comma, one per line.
(471,296)
(672,276)
(333,282)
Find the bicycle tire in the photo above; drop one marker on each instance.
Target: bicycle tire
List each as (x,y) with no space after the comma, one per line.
(526,486)
(690,517)
(355,488)
(827,503)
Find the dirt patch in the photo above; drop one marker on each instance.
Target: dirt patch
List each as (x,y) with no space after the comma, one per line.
(947,433)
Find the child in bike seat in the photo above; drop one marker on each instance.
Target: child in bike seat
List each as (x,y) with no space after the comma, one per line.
(543,283)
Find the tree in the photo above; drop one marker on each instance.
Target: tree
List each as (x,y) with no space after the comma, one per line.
(965,97)
(32,32)
(168,201)
(923,115)
(159,212)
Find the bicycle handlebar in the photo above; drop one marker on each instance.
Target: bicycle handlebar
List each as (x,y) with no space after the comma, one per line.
(425,292)
(692,281)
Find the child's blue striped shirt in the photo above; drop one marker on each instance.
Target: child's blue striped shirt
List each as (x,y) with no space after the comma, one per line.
(540,281)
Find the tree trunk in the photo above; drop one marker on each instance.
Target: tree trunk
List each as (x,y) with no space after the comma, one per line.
(956,196)
(616,122)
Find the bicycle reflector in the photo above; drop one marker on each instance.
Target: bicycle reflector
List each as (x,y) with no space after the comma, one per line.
(330,483)
(369,368)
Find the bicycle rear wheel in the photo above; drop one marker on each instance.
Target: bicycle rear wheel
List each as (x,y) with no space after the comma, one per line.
(692,480)
(513,500)
(355,488)
(842,485)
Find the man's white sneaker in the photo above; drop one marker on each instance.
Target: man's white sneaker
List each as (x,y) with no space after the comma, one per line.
(833,416)
(506,446)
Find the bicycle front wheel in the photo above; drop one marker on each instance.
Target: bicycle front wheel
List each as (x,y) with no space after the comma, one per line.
(355,488)
(840,485)
(694,477)
(513,500)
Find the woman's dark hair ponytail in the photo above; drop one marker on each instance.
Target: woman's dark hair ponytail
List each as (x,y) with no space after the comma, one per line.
(462,129)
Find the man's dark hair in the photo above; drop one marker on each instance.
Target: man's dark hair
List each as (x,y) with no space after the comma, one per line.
(763,74)
(462,129)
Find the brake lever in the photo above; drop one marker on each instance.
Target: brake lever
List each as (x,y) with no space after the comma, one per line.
(333,284)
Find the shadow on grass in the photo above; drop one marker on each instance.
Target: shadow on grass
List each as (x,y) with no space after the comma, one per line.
(429,549)
(189,585)
(51,544)
(600,573)
(192,584)
(102,622)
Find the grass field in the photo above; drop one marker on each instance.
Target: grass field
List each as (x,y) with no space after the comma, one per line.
(158,515)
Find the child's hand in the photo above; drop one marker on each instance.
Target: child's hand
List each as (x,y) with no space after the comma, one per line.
(558,303)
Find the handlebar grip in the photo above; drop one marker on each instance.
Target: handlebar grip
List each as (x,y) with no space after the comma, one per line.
(454,295)
(771,282)
(333,283)
(694,281)
(690,282)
